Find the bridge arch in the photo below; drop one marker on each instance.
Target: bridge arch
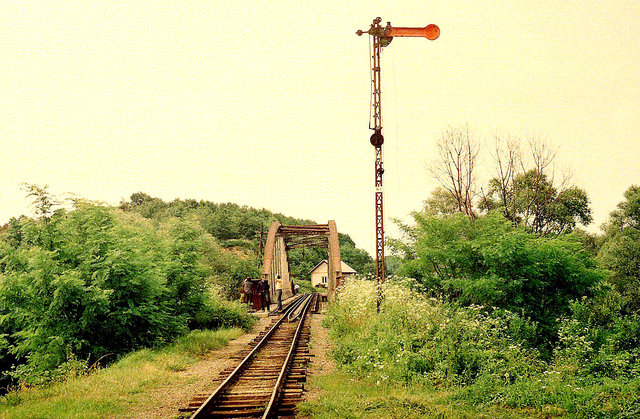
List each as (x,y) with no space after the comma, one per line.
(282,238)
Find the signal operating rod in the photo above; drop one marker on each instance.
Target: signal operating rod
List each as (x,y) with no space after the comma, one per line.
(380,38)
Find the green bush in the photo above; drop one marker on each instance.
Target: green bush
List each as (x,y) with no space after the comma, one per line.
(599,340)
(489,262)
(31,374)
(216,313)
(620,251)
(305,286)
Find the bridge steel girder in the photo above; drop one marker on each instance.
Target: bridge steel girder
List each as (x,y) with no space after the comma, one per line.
(276,262)
(334,261)
(281,239)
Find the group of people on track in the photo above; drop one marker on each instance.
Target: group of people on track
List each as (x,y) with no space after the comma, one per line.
(262,289)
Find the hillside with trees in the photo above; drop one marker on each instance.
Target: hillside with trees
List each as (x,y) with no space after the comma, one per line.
(238,227)
(501,304)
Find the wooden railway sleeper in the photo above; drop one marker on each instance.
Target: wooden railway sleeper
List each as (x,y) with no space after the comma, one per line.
(291,387)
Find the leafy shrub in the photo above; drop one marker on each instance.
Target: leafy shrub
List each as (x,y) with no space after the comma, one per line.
(489,262)
(31,374)
(81,284)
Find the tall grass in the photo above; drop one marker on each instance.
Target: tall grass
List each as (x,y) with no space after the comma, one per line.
(346,396)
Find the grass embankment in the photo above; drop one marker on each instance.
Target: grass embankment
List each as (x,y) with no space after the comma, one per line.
(122,389)
(344,396)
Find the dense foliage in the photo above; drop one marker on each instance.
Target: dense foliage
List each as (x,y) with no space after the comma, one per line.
(490,262)
(620,252)
(93,282)
(416,337)
(532,200)
(499,313)
(416,340)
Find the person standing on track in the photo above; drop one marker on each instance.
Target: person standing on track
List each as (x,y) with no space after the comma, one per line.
(263,289)
(279,292)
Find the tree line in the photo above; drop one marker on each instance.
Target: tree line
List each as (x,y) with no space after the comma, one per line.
(514,244)
(239,226)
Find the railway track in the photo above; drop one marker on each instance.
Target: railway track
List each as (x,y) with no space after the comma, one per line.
(269,379)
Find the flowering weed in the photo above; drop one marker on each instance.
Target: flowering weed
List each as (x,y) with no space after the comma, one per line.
(474,354)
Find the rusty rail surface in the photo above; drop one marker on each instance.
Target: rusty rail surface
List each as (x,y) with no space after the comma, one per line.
(249,390)
(271,407)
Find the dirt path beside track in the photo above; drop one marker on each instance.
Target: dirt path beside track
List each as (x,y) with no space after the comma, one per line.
(164,401)
(321,363)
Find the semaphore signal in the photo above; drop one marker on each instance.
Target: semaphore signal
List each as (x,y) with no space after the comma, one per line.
(381,37)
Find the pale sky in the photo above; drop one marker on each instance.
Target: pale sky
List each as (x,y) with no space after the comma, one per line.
(267,103)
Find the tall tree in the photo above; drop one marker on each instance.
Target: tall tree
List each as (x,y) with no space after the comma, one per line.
(454,168)
(620,253)
(526,193)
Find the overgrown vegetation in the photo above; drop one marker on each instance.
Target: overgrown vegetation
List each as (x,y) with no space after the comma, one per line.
(502,307)
(505,302)
(490,262)
(90,283)
(239,227)
(93,283)
(478,358)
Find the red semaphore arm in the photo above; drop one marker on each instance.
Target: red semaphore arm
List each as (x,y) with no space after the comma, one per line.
(431,32)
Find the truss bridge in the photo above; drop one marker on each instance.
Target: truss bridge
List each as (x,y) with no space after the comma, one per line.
(282,238)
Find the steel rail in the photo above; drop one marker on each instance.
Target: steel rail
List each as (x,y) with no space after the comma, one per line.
(201,412)
(294,314)
(285,366)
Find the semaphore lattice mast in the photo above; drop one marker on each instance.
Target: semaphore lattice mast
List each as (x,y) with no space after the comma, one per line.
(381,37)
